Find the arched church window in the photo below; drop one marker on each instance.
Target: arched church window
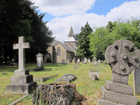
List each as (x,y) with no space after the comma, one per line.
(58,51)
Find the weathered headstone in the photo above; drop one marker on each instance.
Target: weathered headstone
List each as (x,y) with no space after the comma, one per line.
(99,61)
(39,58)
(66,77)
(78,60)
(94,60)
(68,61)
(21,82)
(63,61)
(136,79)
(123,57)
(85,60)
(89,60)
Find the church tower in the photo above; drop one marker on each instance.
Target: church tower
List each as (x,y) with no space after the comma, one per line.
(71,40)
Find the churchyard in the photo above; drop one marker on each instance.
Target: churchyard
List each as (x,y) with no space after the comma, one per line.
(84,85)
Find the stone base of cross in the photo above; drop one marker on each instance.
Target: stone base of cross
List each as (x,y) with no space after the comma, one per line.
(22,81)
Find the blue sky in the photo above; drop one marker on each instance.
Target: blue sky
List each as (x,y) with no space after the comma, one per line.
(62,14)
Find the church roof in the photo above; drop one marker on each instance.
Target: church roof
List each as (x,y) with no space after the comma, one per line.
(55,42)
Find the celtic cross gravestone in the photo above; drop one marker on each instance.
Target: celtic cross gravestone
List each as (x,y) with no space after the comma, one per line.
(123,57)
(22,81)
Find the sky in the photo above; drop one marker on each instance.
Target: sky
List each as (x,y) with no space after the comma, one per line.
(62,14)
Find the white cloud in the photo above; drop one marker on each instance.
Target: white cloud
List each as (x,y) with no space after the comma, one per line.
(125,11)
(61,26)
(64,7)
(77,8)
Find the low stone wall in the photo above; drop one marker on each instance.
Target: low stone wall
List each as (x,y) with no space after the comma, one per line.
(43,79)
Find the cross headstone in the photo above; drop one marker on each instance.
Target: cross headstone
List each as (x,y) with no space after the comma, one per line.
(21,53)
(123,57)
(22,81)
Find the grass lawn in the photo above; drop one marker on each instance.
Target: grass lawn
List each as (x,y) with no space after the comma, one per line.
(84,84)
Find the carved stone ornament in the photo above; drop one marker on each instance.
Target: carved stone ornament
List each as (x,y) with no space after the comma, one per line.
(123,57)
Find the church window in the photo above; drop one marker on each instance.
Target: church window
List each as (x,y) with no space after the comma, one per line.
(58,51)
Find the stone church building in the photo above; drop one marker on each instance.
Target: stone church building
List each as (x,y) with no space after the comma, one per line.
(60,52)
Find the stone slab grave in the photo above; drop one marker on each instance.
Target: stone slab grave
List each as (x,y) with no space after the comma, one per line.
(123,57)
(94,75)
(43,79)
(39,58)
(57,94)
(66,78)
(22,81)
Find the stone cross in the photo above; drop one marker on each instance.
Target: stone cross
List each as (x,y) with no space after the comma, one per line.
(21,54)
(123,57)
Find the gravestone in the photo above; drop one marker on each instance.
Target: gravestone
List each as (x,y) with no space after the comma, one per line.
(22,81)
(99,61)
(39,58)
(94,60)
(85,60)
(123,57)
(78,60)
(89,60)
(66,78)
(68,61)
(63,61)
(136,79)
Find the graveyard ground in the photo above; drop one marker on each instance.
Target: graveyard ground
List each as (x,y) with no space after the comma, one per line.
(84,84)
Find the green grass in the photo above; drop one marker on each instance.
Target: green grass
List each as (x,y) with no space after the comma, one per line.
(84,84)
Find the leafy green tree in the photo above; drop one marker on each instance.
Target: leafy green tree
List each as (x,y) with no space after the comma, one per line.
(102,37)
(83,41)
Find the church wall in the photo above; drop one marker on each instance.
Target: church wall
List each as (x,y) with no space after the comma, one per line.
(69,55)
(62,56)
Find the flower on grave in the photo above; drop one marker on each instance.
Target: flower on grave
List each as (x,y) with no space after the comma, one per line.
(77,85)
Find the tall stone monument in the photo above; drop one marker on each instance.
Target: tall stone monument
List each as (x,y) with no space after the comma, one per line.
(123,57)
(39,58)
(22,81)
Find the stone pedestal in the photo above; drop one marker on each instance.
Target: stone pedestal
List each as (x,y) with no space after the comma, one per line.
(117,94)
(21,83)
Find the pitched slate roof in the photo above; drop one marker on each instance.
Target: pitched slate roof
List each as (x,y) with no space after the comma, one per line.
(55,42)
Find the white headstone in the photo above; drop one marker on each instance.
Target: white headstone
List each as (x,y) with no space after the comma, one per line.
(88,60)
(21,54)
(99,61)
(85,60)
(39,58)
(78,60)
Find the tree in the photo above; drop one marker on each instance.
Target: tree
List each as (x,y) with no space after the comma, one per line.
(83,41)
(19,18)
(102,37)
